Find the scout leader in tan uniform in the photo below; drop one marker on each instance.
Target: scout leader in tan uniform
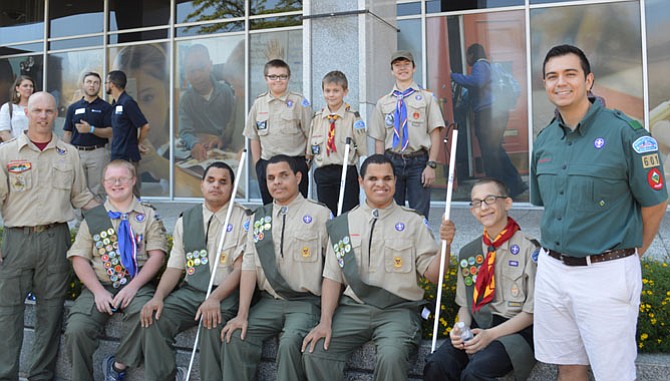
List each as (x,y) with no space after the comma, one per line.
(406,126)
(196,241)
(330,129)
(378,251)
(41,179)
(494,290)
(278,124)
(119,248)
(284,259)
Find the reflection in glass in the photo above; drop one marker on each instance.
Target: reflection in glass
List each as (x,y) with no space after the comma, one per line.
(74,17)
(493,139)
(22,48)
(65,71)
(658,56)
(21,21)
(613,48)
(436,6)
(155,34)
(133,14)
(146,67)
(12,67)
(261,7)
(211,112)
(198,30)
(275,22)
(409,39)
(407,9)
(202,10)
(75,43)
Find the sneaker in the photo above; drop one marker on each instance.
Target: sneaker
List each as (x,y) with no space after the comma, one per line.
(181,374)
(108,371)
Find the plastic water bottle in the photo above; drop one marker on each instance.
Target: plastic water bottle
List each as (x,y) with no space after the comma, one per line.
(466,333)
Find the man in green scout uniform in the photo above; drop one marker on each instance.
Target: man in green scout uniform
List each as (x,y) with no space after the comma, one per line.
(496,278)
(378,251)
(196,240)
(278,124)
(119,248)
(406,125)
(284,260)
(41,179)
(599,176)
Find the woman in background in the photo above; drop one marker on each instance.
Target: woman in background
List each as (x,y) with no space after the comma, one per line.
(13,120)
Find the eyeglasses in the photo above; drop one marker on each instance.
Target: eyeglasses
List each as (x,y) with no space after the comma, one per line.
(273,77)
(489,200)
(120,180)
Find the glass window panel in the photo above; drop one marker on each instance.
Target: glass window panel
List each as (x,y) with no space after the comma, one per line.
(146,35)
(146,67)
(11,67)
(275,22)
(209,119)
(261,7)
(197,30)
(409,39)
(21,48)
(483,149)
(125,14)
(64,78)
(188,11)
(73,17)
(658,56)
(435,6)
(407,9)
(75,43)
(21,20)
(613,48)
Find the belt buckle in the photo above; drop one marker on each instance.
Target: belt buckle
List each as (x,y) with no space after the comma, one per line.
(40,228)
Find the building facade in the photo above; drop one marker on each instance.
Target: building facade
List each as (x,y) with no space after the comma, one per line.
(56,41)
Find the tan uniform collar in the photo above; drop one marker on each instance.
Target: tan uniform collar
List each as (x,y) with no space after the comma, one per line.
(381,213)
(413,86)
(283,98)
(325,112)
(135,206)
(24,140)
(220,215)
(292,205)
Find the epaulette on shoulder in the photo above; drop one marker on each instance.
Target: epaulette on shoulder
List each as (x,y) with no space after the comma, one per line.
(249,211)
(411,210)
(633,123)
(357,114)
(261,95)
(316,202)
(147,204)
(532,240)
(318,112)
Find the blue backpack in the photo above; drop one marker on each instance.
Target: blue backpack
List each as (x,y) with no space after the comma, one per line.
(504,87)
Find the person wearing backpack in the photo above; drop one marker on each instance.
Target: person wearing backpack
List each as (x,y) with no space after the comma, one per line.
(491,117)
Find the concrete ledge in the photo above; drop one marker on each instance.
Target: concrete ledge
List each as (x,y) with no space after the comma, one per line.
(650,367)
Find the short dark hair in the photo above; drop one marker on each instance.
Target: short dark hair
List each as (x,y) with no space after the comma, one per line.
(477,50)
(502,188)
(276,63)
(336,77)
(222,165)
(118,78)
(564,50)
(375,159)
(91,74)
(284,159)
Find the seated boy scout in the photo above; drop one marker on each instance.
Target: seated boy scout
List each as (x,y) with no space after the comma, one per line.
(378,251)
(495,293)
(119,248)
(284,260)
(196,240)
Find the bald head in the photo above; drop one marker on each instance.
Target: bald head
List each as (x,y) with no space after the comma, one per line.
(41,112)
(199,68)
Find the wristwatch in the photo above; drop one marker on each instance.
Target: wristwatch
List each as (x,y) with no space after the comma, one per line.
(432,164)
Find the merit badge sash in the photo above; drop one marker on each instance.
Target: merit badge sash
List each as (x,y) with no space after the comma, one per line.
(106,243)
(198,272)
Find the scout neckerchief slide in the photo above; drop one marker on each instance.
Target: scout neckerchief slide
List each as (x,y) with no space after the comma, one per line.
(443,251)
(224,230)
(485,285)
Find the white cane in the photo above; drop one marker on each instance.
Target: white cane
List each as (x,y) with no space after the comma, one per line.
(343,179)
(224,230)
(447,210)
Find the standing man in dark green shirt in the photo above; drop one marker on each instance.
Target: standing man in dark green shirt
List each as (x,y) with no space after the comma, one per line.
(598,174)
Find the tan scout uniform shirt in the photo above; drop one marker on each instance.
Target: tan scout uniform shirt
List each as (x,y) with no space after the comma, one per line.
(305,240)
(515,278)
(233,246)
(402,249)
(281,124)
(146,226)
(40,187)
(423,116)
(347,124)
